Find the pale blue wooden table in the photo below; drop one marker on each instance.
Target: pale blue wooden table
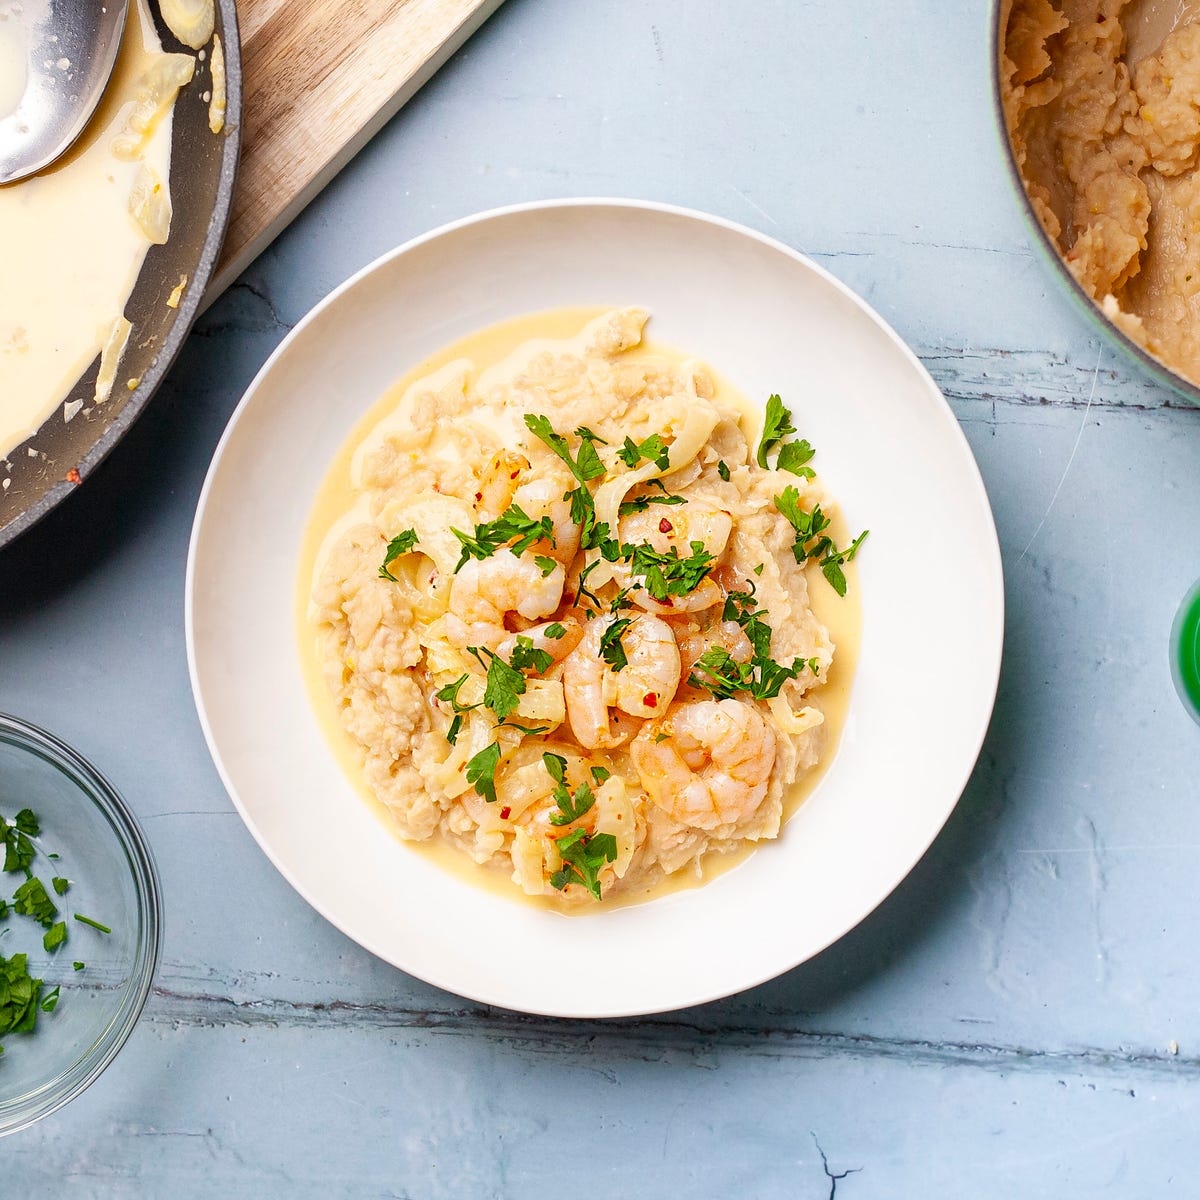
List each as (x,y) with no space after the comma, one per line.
(1007,1023)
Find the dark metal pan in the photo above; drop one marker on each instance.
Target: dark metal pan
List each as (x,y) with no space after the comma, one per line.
(202,175)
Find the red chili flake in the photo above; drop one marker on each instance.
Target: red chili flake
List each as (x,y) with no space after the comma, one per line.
(73,476)
(514,474)
(650,699)
(665,526)
(505,813)
(478,497)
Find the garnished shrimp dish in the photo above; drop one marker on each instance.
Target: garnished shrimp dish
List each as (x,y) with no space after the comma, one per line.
(565,618)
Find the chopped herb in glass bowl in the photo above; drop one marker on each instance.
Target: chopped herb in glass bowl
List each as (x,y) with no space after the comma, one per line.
(80,916)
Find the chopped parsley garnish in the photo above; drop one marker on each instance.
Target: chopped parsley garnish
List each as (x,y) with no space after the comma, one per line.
(611,649)
(449,693)
(532,730)
(400,545)
(545,563)
(600,774)
(554,631)
(583,856)
(21,995)
(94,924)
(582,588)
(505,686)
(18,849)
(793,458)
(570,808)
(513,525)
(777,424)
(481,771)
(586,465)
(762,677)
(527,657)
(723,470)
(653,448)
(668,574)
(813,542)
(30,900)
(641,503)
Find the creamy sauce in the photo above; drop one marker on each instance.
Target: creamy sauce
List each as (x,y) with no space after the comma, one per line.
(338,506)
(71,248)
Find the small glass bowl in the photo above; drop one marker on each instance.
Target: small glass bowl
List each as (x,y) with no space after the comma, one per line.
(103,853)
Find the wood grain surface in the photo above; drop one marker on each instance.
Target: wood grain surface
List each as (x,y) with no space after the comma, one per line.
(319,81)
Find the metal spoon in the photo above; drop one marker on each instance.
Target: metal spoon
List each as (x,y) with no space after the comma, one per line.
(56,57)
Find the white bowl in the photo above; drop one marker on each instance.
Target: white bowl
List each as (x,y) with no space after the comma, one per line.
(889,448)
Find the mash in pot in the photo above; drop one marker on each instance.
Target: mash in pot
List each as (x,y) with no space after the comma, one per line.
(1106,132)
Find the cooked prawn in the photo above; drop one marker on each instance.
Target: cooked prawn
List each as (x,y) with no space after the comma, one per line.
(727,635)
(543,497)
(557,647)
(499,482)
(664,526)
(707,762)
(485,592)
(642,688)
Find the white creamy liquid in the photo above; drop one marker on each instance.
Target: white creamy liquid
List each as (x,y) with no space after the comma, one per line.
(70,250)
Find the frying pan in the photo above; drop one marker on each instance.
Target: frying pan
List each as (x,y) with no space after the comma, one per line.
(203,166)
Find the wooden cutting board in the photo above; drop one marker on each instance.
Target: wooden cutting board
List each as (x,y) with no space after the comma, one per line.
(319,79)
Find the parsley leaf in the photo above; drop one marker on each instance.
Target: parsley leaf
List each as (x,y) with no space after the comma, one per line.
(587,466)
(26,822)
(777,424)
(570,808)
(641,503)
(532,730)
(600,774)
(400,545)
(723,470)
(583,857)
(18,849)
(505,686)
(555,631)
(793,456)
(527,657)
(668,574)
(653,447)
(611,649)
(449,693)
(55,935)
(94,924)
(546,563)
(512,525)
(812,540)
(30,899)
(481,771)
(60,885)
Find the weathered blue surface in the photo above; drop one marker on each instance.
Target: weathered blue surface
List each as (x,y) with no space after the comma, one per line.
(1005,1024)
